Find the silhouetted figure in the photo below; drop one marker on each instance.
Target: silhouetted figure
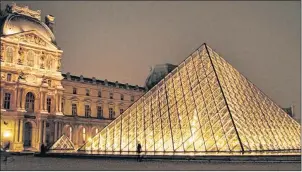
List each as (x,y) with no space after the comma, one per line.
(138,151)
(6,152)
(43,149)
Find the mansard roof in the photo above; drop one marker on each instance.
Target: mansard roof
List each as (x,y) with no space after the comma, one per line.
(102,82)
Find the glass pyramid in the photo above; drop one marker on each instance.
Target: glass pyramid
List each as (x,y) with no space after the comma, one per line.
(63,143)
(204,105)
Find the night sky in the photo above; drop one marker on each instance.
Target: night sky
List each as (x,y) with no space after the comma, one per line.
(120,41)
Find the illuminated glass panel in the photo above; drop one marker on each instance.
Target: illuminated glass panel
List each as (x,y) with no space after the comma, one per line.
(63,143)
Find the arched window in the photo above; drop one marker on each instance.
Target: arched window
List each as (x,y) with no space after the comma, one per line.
(31,58)
(70,133)
(9,54)
(49,62)
(30,102)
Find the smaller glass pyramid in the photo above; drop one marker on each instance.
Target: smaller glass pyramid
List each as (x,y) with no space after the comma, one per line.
(63,143)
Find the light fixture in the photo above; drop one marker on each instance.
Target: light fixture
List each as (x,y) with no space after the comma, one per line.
(6,134)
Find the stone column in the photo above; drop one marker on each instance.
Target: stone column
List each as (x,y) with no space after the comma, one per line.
(56,131)
(1,99)
(60,103)
(17,144)
(44,131)
(45,101)
(40,132)
(21,131)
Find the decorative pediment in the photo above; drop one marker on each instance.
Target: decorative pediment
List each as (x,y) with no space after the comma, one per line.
(74,98)
(99,102)
(87,100)
(32,37)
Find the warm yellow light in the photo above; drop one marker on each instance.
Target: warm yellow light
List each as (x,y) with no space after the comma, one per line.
(6,134)
(89,139)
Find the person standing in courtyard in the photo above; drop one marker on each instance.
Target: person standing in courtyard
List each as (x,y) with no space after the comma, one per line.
(138,151)
(6,152)
(42,150)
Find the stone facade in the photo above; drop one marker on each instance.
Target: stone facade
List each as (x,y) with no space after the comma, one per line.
(37,101)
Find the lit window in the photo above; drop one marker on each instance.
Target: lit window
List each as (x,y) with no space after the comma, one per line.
(9,77)
(99,112)
(74,109)
(87,92)
(30,102)
(7,101)
(70,133)
(48,101)
(30,58)
(111,95)
(9,55)
(87,111)
(99,94)
(111,113)
(74,91)
(132,98)
(122,97)
(84,135)
(121,111)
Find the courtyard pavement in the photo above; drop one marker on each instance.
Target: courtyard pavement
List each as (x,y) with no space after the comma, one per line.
(30,162)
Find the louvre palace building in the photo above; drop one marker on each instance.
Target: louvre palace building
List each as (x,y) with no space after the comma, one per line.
(203,105)
(38,102)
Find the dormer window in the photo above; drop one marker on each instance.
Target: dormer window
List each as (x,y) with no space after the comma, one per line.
(74,91)
(87,92)
(132,98)
(99,94)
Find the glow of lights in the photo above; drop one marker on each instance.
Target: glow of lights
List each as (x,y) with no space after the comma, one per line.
(6,134)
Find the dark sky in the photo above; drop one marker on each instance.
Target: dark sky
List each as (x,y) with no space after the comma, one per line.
(119,41)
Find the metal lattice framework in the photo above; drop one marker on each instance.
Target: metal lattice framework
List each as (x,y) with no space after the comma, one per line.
(63,143)
(204,105)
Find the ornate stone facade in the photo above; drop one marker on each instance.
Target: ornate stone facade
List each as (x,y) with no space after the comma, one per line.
(38,103)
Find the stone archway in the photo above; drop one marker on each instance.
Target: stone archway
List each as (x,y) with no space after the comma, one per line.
(82,135)
(94,131)
(68,131)
(28,135)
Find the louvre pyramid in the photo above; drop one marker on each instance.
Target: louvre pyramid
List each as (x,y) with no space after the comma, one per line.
(63,143)
(204,105)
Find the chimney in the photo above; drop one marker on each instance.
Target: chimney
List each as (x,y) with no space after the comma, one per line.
(50,22)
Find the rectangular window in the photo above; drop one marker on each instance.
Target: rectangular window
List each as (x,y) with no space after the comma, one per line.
(87,111)
(100,112)
(74,109)
(111,113)
(48,101)
(121,111)
(62,107)
(111,95)
(122,97)
(99,94)
(74,91)
(132,98)
(87,92)
(9,77)
(7,101)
